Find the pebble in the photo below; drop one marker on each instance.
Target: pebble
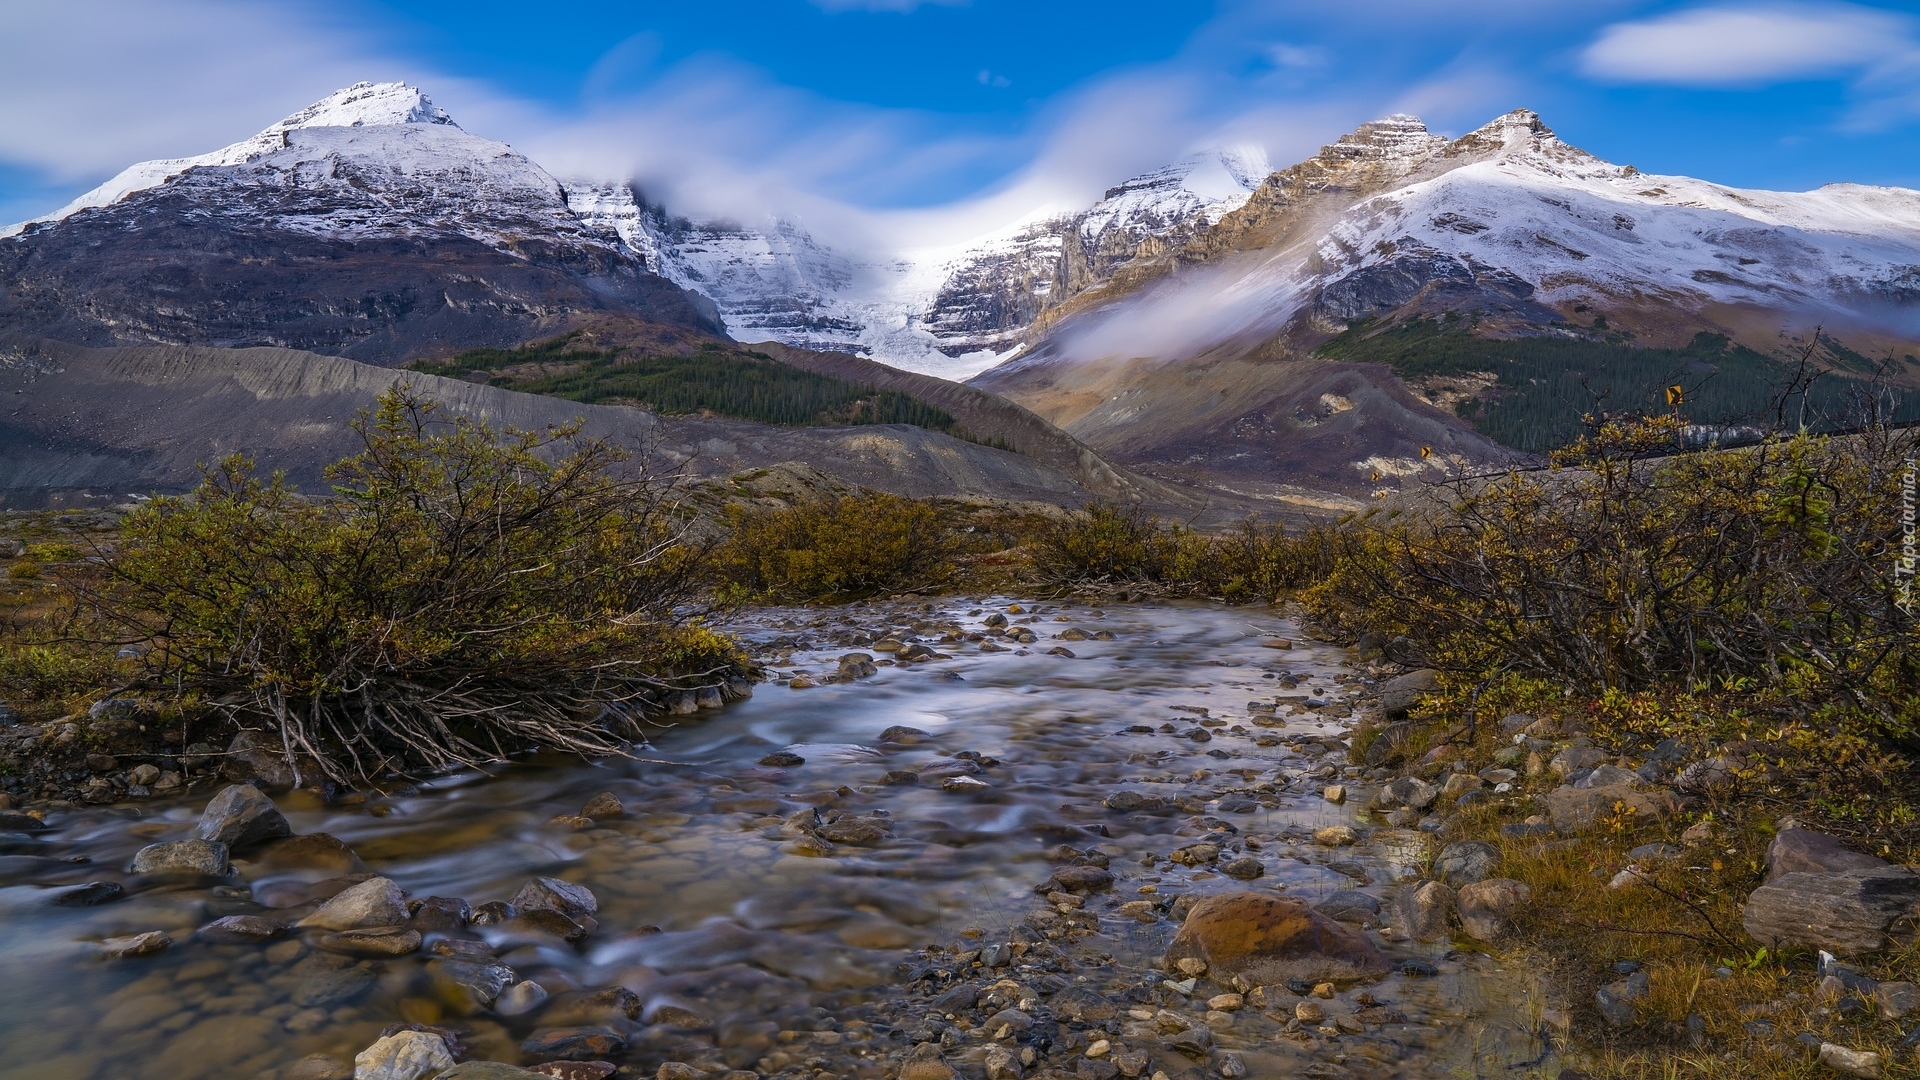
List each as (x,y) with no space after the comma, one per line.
(1336,836)
(125,948)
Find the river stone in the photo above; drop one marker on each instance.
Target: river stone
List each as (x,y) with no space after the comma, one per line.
(440,915)
(1270,939)
(1466,862)
(1486,907)
(183,857)
(1400,694)
(1245,868)
(520,998)
(240,929)
(373,941)
(373,902)
(1864,1063)
(553,894)
(1082,1006)
(126,948)
(902,735)
(91,894)
(475,984)
(490,1070)
(1574,809)
(1803,851)
(783,759)
(1350,905)
(403,1055)
(575,1043)
(1078,879)
(1425,907)
(319,1067)
(1850,913)
(1336,836)
(11,822)
(241,816)
(321,852)
(322,985)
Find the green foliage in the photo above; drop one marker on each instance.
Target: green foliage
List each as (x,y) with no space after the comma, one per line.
(1548,386)
(1108,544)
(839,547)
(1765,571)
(465,594)
(728,382)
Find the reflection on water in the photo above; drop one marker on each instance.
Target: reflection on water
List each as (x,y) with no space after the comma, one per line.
(727,922)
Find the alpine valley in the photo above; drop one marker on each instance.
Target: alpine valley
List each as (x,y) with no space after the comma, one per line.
(1211,338)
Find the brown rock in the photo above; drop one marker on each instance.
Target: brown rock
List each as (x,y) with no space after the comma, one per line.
(1270,939)
(1425,908)
(375,941)
(320,852)
(1574,809)
(1847,914)
(603,807)
(553,894)
(1803,851)
(1487,907)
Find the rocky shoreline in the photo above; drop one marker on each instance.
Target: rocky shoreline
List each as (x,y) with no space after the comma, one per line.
(1222,892)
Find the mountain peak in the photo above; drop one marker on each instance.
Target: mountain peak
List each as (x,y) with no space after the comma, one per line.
(1399,135)
(368,104)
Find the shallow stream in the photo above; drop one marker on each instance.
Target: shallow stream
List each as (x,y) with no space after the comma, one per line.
(746,946)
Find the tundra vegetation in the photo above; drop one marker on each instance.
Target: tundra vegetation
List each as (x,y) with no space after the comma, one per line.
(465,594)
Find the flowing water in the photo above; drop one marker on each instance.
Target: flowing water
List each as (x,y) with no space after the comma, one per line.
(748,944)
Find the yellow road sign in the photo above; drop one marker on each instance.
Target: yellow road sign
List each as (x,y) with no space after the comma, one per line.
(1676,395)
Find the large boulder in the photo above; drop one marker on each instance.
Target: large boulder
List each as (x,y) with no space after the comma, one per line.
(373,902)
(1270,939)
(403,1055)
(1849,913)
(1802,851)
(240,817)
(1402,693)
(1424,909)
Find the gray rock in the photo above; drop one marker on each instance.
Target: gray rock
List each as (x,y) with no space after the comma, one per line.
(1864,1063)
(1390,744)
(403,1055)
(1710,775)
(373,902)
(1400,694)
(520,998)
(1425,908)
(472,984)
(1577,758)
(257,757)
(1466,862)
(1608,776)
(240,817)
(1574,809)
(1350,905)
(1487,907)
(183,857)
(1848,914)
(1804,851)
(1245,868)
(1616,999)
(553,894)
(1410,792)
(1897,1000)
(126,948)
(236,929)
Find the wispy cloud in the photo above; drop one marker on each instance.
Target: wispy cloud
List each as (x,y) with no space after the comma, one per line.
(1750,44)
(881,5)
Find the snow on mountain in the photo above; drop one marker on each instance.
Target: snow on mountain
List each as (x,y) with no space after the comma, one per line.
(950,312)
(1581,230)
(363,104)
(1510,221)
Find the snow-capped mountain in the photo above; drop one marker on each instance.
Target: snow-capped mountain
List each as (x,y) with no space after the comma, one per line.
(368,224)
(949,312)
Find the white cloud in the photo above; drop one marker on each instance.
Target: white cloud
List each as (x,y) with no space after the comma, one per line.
(1749,44)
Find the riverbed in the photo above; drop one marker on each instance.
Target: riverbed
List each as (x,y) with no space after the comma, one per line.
(752,940)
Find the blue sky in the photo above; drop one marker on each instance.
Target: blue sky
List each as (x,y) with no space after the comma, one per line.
(881,109)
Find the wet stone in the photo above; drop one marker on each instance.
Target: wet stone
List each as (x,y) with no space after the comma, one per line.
(372,941)
(575,1043)
(241,816)
(92,894)
(135,945)
(473,984)
(440,915)
(203,857)
(783,759)
(403,1055)
(373,902)
(1245,868)
(240,929)
(553,894)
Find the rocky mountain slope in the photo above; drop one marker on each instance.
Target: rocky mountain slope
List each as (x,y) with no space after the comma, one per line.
(367,225)
(949,311)
(91,425)
(1504,233)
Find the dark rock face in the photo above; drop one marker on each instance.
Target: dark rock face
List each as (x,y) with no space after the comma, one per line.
(181,264)
(1439,282)
(1803,851)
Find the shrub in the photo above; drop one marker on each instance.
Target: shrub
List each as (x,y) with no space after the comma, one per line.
(837,546)
(465,593)
(1108,544)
